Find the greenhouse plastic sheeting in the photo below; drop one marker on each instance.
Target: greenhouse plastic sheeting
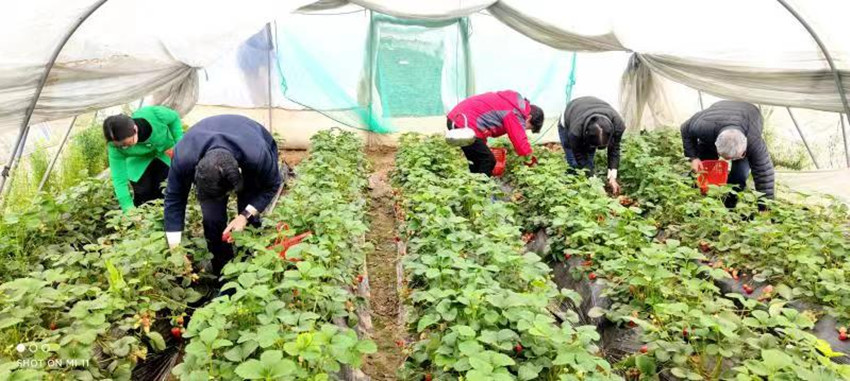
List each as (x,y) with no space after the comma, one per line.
(374,71)
(374,68)
(812,88)
(128,49)
(436,10)
(668,104)
(112,60)
(534,18)
(775,63)
(125,50)
(240,77)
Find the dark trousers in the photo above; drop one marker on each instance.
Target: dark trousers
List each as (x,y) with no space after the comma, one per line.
(564,136)
(478,154)
(149,187)
(737,174)
(215,221)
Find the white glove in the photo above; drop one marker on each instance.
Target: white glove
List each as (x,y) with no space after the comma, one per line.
(173,239)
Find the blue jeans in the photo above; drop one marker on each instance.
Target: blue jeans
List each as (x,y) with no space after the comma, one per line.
(564,135)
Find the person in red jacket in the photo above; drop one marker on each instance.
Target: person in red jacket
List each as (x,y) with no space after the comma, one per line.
(493,115)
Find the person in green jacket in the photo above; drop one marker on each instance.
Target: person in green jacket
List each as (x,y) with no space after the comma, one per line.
(140,150)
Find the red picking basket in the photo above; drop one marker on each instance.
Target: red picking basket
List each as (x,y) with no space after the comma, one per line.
(500,154)
(716,172)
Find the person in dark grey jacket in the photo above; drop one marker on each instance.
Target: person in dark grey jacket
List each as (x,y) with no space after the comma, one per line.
(219,155)
(731,130)
(588,124)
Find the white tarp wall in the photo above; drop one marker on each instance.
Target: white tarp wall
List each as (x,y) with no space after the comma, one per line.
(501,58)
(754,50)
(124,51)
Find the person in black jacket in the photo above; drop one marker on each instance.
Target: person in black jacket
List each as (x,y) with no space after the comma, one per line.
(731,130)
(221,154)
(588,124)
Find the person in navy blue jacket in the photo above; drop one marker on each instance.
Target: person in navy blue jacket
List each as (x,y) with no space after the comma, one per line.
(221,154)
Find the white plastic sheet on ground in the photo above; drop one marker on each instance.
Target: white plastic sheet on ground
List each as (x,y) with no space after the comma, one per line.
(818,183)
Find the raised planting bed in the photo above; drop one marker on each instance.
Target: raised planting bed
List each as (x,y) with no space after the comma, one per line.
(477,306)
(793,252)
(685,327)
(294,311)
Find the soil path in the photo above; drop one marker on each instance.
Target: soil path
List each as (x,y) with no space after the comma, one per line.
(381,265)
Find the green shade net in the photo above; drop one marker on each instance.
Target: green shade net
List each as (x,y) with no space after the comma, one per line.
(367,72)
(377,73)
(421,68)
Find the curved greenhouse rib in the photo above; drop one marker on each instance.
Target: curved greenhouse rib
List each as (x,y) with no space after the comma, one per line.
(20,140)
(58,152)
(835,73)
(805,142)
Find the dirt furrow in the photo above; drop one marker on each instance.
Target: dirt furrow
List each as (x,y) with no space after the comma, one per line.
(381,263)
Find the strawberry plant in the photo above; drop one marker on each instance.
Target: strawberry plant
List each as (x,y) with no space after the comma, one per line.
(478,304)
(657,284)
(99,305)
(803,250)
(75,217)
(291,307)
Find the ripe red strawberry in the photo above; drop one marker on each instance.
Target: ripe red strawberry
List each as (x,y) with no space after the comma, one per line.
(842,336)
(428,377)
(632,324)
(397,239)
(518,348)
(644,349)
(176,332)
(685,332)
(592,276)
(747,288)
(567,256)
(359,278)
(53,326)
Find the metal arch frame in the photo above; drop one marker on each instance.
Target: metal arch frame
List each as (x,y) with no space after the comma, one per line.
(805,142)
(21,139)
(836,75)
(58,153)
(269,53)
